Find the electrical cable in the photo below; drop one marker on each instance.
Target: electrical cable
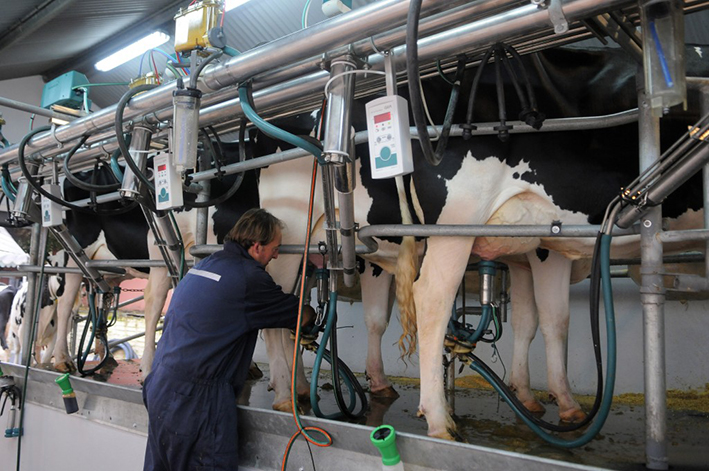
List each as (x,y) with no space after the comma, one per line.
(348,72)
(304,16)
(294,396)
(120,107)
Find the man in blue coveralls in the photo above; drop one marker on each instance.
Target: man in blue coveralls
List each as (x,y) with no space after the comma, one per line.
(203,357)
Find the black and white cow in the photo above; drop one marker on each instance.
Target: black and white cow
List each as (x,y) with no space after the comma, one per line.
(7,294)
(46,327)
(534,178)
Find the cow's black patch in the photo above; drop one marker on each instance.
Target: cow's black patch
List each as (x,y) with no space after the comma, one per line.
(542,254)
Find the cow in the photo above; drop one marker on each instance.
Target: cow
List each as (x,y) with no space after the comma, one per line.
(7,293)
(535,178)
(45,335)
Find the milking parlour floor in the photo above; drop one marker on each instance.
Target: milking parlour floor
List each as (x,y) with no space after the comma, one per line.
(485,420)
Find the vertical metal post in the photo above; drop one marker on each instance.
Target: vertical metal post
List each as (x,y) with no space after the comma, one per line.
(704,109)
(200,234)
(652,297)
(38,243)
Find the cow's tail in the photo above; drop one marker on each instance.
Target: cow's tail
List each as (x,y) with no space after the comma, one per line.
(406,271)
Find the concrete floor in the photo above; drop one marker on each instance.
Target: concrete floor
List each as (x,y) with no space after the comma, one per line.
(484,420)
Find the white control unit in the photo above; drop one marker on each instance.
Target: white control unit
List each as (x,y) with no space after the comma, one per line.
(389,137)
(52,213)
(168,184)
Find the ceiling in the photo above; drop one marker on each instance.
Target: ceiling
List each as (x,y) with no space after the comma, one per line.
(51,37)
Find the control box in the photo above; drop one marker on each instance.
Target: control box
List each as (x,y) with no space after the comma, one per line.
(168,184)
(389,137)
(63,91)
(52,213)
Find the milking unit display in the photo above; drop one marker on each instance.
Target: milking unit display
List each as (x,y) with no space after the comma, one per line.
(210,85)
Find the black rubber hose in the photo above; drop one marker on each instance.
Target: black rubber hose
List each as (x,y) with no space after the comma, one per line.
(120,108)
(239,178)
(468,126)
(80,184)
(35,184)
(412,74)
(195,73)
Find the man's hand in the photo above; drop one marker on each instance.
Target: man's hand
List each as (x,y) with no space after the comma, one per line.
(308,317)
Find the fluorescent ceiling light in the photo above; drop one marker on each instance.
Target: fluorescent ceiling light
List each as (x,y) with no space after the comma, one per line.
(134,50)
(231,4)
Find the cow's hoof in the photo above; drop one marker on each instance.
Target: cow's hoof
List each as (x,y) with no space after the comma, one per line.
(535,407)
(255,372)
(286,406)
(572,416)
(388,392)
(445,435)
(65,367)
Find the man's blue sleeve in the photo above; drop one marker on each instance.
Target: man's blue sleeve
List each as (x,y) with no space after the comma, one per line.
(267,306)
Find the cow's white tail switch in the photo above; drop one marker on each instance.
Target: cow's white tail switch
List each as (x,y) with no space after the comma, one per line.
(389,137)
(168,184)
(51,211)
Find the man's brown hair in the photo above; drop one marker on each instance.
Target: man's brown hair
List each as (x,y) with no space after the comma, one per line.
(255,225)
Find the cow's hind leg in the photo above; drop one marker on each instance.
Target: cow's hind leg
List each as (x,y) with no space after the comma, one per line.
(377,303)
(525,321)
(551,273)
(442,270)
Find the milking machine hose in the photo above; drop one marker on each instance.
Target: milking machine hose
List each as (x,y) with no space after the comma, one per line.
(7,187)
(239,177)
(329,333)
(478,366)
(34,184)
(83,356)
(271,130)
(83,185)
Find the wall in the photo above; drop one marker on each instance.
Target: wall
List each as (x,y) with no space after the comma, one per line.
(26,90)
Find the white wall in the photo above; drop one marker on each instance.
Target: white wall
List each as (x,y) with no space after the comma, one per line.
(26,90)
(49,433)
(686,327)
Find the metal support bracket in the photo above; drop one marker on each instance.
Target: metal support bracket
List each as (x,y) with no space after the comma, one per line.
(556,14)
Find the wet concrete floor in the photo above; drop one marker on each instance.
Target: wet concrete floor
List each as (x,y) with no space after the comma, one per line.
(485,420)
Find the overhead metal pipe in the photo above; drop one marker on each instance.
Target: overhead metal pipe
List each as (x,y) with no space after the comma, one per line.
(18,105)
(339,31)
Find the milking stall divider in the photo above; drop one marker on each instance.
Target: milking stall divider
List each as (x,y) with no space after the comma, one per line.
(288,76)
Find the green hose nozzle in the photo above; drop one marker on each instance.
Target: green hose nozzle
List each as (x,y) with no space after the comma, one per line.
(384,438)
(70,403)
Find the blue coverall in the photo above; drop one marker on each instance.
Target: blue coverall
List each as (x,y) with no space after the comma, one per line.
(203,358)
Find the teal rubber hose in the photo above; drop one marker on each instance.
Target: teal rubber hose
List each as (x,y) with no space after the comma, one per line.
(604,410)
(274,131)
